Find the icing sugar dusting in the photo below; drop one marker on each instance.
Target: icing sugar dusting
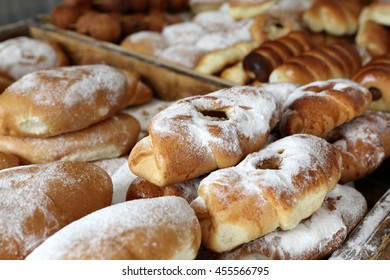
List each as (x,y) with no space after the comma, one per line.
(71,85)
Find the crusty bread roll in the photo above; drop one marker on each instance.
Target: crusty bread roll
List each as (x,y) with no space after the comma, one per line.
(318,107)
(260,62)
(38,200)
(202,133)
(52,102)
(375,76)
(364,144)
(160,228)
(139,92)
(22,55)
(314,238)
(141,188)
(337,60)
(334,17)
(8,160)
(107,139)
(279,186)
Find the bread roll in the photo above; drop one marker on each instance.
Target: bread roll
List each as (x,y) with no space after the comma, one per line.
(314,238)
(8,160)
(202,133)
(38,200)
(107,139)
(364,144)
(318,107)
(278,186)
(337,60)
(22,55)
(376,77)
(145,229)
(65,99)
(334,17)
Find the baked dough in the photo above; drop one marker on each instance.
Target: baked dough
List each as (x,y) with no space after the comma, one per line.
(107,139)
(38,200)
(65,99)
(314,238)
(202,133)
(8,160)
(278,186)
(160,228)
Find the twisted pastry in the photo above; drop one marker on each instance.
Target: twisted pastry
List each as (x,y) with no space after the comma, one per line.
(260,62)
(318,107)
(376,77)
(314,238)
(334,17)
(202,133)
(338,60)
(364,143)
(278,186)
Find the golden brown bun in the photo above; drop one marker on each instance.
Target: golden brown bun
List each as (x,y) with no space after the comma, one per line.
(38,200)
(8,160)
(240,9)
(334,17)
(65,16)
(202,133)
(141,188)
(160,228)
(364,144)
(235,74)
(22,55)
(279,186)
(107,139)
(318,107)
(337,60)
(85,4)
(376,77)
(140,92)
(38,105)
(260,62)
(314,238)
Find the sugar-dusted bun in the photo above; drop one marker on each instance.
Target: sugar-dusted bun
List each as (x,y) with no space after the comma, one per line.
(145,42)
(141,188)
(60,100)
(318,107)
(160,228)
(38,200)
(334,17)
(314,238)
(8,160)
(202,133)
(376,77)
(107,139)
(278,186)
(22,55)
(364,144)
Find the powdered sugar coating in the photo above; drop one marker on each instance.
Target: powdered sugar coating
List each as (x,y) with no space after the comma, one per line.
(183,55)
(23,55)
(72,85)
(315,237)
(214,21)
(90,236)
(183,33)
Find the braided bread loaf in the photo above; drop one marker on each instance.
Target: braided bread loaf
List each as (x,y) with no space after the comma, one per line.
(320,106)
(202,133)
(278,186)
(260,62)
(376,77)
(334,17)
(363,144)
(338,60)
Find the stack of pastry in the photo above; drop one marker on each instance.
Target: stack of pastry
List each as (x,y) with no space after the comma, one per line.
(71,113)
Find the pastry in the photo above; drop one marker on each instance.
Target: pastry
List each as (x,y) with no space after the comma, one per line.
(110,138)
(8,160)
(318,107)
(60,100)
(160,228)
(239,9)
(38,200)
(276,187)
(202,133)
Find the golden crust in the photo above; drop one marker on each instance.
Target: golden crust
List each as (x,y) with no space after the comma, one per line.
(42,199)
